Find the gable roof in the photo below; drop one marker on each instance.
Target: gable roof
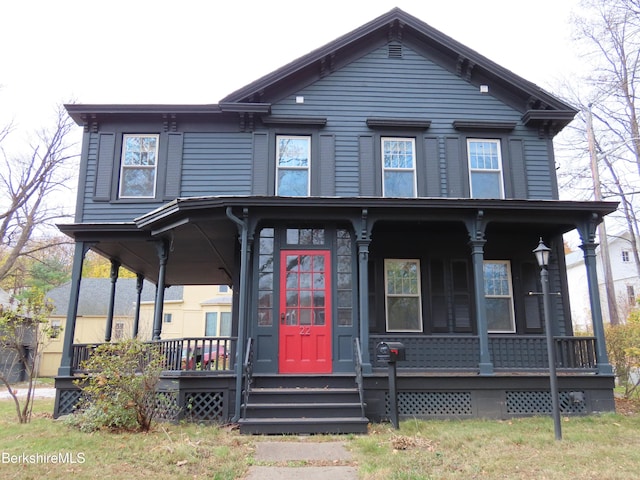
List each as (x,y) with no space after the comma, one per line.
(95,292)
(539,108)
(396,25)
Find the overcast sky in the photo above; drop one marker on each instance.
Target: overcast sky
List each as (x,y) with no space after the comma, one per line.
(194,51)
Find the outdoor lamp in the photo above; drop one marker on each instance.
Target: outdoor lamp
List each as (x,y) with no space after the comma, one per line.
(542,254)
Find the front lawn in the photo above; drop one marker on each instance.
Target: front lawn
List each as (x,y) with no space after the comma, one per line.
(597,447)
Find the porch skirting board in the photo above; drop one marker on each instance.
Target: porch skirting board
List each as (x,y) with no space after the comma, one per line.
(498,397)
(205,398)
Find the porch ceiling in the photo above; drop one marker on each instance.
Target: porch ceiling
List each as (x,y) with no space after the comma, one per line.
(201,252)
(203,240)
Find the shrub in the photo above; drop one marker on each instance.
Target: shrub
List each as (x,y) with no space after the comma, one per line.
(119,390)
(623,347)
(24,332)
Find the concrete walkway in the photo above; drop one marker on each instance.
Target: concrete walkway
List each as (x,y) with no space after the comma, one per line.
(322,461)
(40,392)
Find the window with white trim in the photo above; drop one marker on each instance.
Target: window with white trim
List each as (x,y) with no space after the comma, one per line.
(398,167)
(293,165)
(485,168)
(138,166)
(498,295)
(56,326)
(402,295)
(118,331)
(631,296)
(211,324)
(625,256)
(225,324)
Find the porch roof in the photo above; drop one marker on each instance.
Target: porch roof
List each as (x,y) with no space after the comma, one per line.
(202,237)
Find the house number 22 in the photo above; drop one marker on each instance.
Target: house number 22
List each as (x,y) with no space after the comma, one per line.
(305,331)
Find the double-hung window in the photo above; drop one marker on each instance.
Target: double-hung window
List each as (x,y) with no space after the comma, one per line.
(485,168)
(138,166)
(402,295)
(498,296)
(293,165)
(398,167)
(211,324)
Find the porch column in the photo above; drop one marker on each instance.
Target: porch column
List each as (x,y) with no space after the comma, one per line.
(136,318)
(81,249)
(477,256)
(115,269)
(363,301)
(243,298)
(602,360)
(163,256)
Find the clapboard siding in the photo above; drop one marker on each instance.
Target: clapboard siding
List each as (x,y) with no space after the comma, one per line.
(539,171)
(217,164)
(347,161)
(413,87)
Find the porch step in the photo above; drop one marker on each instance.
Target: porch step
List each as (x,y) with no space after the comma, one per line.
(309,405)
(292,426)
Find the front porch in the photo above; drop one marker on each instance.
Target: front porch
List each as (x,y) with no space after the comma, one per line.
(439,379)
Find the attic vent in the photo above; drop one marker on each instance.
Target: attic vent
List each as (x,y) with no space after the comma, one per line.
(395,50)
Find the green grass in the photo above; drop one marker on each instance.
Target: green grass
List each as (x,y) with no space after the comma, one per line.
(170,451)
(596,447)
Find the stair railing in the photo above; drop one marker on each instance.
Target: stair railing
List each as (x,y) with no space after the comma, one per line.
(359,378)
(247,373)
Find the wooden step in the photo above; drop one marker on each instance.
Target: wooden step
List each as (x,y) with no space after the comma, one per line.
(290,426)
(306,405)
(300,410)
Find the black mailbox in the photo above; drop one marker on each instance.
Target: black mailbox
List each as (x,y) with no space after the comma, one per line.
(390,352)
(383,352)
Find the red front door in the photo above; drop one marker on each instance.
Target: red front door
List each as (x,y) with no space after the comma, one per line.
(305,312)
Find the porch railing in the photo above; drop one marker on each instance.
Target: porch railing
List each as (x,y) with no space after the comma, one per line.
(508,352)
(357,351)
(247,374)
(214,354)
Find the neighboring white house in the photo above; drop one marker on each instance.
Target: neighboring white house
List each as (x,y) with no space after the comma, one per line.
(189,311)
(625,279)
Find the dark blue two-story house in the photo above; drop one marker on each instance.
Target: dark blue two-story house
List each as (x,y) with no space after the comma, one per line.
(388,186)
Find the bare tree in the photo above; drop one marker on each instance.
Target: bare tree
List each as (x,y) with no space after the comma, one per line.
(608,34)
(27,188)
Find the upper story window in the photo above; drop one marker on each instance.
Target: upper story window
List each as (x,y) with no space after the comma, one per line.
(293,165)
(625,256)
(485,168)
(398,167)
(402,295)
(499,296)
(138,166)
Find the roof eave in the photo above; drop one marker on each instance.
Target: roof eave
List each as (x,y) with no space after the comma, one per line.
(81,113)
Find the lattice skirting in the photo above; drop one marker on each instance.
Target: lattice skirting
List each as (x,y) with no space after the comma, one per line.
(68,399)
(539,402)
(204,407)
(460,404)
(197,406)
(440,404)
(168,407)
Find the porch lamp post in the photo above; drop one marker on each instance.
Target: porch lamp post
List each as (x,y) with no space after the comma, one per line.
(542,256)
